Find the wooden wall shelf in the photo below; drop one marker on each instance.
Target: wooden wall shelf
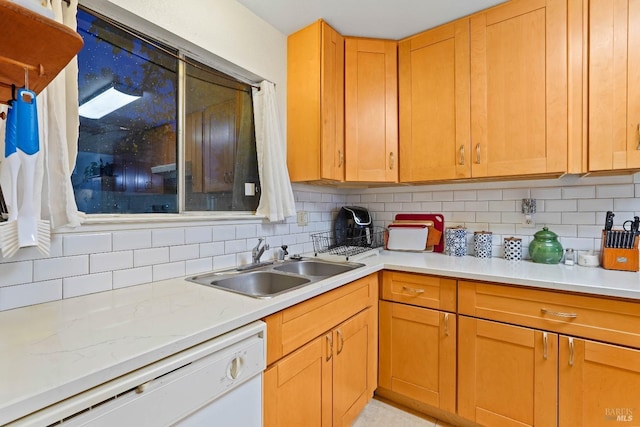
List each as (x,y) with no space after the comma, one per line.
(35,42)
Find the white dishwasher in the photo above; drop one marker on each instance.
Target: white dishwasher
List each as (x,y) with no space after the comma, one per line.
(216,383)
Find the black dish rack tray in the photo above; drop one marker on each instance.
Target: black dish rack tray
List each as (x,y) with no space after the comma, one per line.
(326,242)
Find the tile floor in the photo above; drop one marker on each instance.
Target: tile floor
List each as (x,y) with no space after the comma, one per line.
(380,414)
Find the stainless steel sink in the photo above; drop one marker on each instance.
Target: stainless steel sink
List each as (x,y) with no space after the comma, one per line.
(273,279)
(316,268)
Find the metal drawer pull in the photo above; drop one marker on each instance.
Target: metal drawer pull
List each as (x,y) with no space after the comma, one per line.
(446,324)
(571,351)
(462,155)
(414,290)
(392,159)
(558,313)
(341,342)
(341,158)
(478,153)
(329,338)
(638,147)
(545,345)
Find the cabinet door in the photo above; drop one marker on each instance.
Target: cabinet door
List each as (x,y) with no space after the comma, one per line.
(418,354)
(371,110)
(297,389)
(614,84)
(599,383)
(506,374)
(219,150)
(315,104)
(434,104)
(519,89)
(354,366)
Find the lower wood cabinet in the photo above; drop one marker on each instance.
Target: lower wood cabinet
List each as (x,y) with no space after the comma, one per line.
(328,377)
(507,375)
(418,354)
(328,381)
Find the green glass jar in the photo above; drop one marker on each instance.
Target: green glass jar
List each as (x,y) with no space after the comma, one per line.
(545,247)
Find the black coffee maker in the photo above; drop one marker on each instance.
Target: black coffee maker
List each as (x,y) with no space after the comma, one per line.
(353,227)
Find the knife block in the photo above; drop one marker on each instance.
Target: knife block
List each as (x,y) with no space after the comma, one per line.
(618,258)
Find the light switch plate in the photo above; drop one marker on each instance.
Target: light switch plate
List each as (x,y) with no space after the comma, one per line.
(303,218)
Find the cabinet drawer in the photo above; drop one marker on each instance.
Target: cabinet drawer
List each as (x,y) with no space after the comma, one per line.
(598,318)
(293,327)
(418,289)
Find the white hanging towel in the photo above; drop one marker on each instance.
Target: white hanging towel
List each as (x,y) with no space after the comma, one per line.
(276,197)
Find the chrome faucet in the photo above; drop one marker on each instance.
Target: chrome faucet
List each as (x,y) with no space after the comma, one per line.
(258,250)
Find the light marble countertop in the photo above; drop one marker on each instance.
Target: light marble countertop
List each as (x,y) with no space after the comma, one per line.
(51,351)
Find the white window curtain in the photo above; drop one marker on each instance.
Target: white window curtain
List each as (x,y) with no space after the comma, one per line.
(58,124)
(276,197)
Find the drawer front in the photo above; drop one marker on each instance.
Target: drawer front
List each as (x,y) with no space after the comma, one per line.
(419,289)
(597,318)
(293,327)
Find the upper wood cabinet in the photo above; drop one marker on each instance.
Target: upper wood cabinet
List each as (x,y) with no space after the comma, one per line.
(434,104)
(614,85)
(315,104)
(371,110)
(519,89)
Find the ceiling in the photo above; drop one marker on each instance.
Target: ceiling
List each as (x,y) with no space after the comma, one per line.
(387,19)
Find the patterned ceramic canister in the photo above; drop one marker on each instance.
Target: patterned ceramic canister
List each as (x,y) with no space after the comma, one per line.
(456,241)
(512,249)
(482,243)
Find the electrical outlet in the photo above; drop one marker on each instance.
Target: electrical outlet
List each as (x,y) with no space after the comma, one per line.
(528,222)
(303,218)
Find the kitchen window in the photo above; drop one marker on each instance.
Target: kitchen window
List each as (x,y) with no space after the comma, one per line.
(135,94)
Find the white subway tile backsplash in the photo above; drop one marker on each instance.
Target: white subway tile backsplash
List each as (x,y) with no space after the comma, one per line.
(452,206)
(132,277)
(581,218)
(422,196)
(110,261)
(15,273)
(57,268)
(546,193)
(476,206)
(595,205)
(559,206)
(615,191)
(142,257)
(465,195)
(489,194)
(131,239)
(516,194)
(443,196)
(631,205)
(184,252)
(584,192)
(503,206)
(385,198)
(402,197)
(169,271)
(249,231)
(30,293)
(92,261)
(196,266)
(431,207)
(89,284)
(80,244)
(198,235)
(167,237)
(235,246)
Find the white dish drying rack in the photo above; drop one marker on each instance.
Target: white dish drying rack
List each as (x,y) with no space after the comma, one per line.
(326,246)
